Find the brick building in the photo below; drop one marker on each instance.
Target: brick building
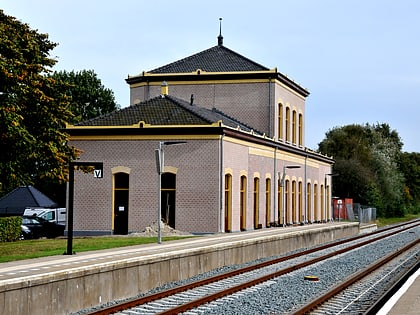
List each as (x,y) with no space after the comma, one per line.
(244,164)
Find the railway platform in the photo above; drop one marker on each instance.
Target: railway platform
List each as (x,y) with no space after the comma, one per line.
(407,300)
(68,283)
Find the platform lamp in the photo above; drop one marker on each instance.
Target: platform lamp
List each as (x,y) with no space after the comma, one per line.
(160,165)
(283,176)
(325,194)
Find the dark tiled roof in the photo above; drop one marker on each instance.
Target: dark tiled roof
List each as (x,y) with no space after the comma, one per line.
(165,110)
(215,59)
(22,197)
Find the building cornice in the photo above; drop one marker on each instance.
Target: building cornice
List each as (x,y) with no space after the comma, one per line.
(214,131)
(201,76)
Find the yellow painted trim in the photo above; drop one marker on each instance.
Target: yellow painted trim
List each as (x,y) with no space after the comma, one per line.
(199,72)
(228,170)
(290,90)
(142,137)
(202,82)
(120,169)
(142,124)
(170,169)
(243,173)
(247,143)
(261,152)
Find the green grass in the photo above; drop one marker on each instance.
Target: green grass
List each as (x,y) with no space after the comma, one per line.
(388,221)
(26,249)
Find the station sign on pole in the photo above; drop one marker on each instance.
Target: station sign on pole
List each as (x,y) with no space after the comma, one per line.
(97,173)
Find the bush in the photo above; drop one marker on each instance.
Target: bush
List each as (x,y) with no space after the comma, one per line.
(10,229)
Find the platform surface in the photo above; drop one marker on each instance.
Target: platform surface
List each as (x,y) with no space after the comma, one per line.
(38,267)
(408,303)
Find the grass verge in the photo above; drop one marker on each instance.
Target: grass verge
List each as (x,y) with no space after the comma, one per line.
(388,221)
(26,249)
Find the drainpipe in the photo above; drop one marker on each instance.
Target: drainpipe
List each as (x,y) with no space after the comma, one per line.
(305,192)
(270,110)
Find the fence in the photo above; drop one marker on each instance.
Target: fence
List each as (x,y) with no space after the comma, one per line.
(364,214)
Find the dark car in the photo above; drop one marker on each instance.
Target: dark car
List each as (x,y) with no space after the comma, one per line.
(36,227)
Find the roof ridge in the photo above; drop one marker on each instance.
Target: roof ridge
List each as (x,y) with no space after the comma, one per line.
(124,109)
(242,56)
(235,120)
(187,106)
(203,53)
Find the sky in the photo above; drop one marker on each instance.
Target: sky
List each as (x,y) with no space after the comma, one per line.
(360,59)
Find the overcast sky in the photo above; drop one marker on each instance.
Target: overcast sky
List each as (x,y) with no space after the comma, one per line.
(360,59)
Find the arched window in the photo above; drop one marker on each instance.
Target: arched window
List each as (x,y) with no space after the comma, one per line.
(286,201)
(308,202)
(228,203)
(287,124)
(256,201)
(300,204)
(294,127)
(267,202)
(280,121)
(300,129)
(293,201)
(243,196)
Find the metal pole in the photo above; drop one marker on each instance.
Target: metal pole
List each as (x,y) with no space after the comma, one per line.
(325,199)
(70,211)
(160,193)
(284,195)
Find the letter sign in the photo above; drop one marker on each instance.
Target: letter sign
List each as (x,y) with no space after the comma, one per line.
(97,173)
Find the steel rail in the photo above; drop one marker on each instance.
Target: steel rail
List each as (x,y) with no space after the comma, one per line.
(305,309)
(159,295)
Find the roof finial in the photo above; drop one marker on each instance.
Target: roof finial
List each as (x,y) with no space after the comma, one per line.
(220,37)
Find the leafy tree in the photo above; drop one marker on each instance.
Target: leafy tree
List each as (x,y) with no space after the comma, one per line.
(32,146)
(367,161)
(409,165)
(88,97)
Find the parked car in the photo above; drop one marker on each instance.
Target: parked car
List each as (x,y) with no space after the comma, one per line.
(36,227)
(56,215)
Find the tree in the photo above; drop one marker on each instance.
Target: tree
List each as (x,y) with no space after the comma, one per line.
(409,165)
(32,146)
(88,97)
(367,161)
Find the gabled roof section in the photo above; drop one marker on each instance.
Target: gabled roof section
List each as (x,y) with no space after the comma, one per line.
(216,59)
(165,110)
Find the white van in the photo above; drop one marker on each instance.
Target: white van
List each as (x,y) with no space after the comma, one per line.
(56,215)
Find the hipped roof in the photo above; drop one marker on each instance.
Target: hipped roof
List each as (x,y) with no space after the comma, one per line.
(23,197)
(166,110)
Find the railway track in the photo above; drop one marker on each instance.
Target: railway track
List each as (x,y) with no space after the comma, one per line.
(184,298)
(358,291)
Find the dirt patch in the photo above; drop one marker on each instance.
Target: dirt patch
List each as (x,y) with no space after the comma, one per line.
(165,230)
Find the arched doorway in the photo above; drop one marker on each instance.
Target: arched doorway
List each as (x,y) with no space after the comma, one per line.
(121,193)
(168,193)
